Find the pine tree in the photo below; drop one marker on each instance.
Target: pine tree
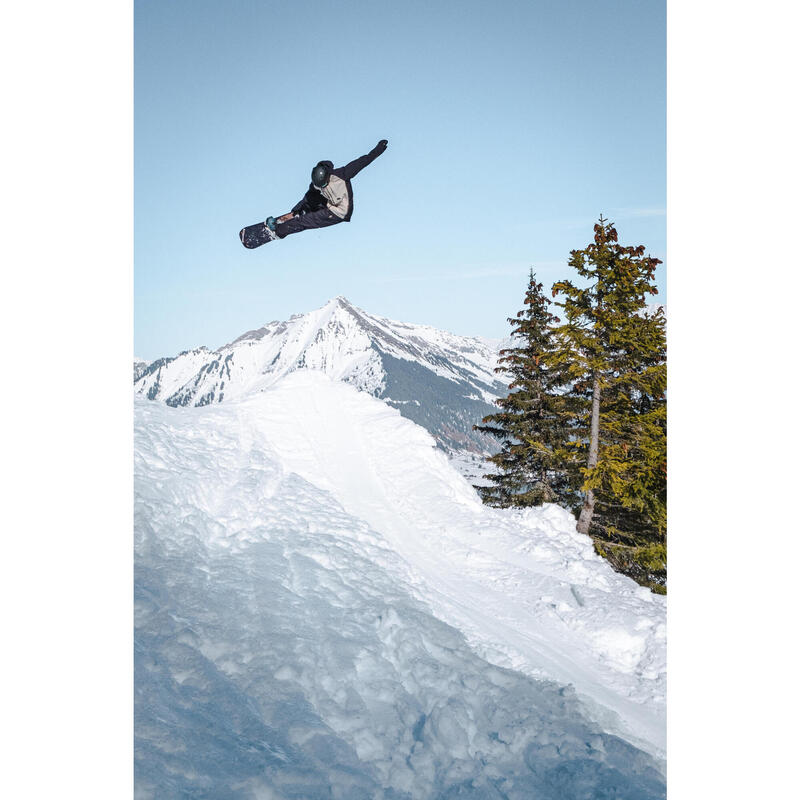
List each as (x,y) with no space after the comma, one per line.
(529,425)
(613,352)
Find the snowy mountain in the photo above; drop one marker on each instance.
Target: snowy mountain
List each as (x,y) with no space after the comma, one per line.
(441,381)
(139,368)
(324,609)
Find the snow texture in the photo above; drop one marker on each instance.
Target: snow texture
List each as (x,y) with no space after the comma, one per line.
(324,609)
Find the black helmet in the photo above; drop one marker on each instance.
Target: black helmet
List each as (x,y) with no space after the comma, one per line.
(320,175)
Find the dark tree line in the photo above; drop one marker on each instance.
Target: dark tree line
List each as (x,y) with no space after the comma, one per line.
(584,423)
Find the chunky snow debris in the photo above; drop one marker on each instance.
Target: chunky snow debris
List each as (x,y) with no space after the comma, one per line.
(325,609)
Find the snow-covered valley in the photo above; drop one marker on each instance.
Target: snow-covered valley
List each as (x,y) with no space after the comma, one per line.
(324,608)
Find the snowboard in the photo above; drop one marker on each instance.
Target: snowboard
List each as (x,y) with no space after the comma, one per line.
(255,235)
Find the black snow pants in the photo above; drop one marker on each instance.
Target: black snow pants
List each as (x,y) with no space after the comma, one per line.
(320,218)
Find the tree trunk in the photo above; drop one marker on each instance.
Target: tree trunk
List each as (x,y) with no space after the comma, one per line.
(585,519)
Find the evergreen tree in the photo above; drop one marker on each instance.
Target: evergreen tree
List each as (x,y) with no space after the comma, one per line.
(613,353)
(529,424)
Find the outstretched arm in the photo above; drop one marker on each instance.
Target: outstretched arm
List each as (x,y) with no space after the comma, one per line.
(354,167)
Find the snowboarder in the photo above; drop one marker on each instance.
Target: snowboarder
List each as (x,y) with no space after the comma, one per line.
(328,201)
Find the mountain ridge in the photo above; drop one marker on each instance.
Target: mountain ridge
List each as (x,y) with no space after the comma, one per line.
(442,381)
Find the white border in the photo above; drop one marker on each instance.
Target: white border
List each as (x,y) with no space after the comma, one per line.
(67,323)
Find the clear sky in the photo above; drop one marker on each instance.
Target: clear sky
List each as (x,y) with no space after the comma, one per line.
(511,127)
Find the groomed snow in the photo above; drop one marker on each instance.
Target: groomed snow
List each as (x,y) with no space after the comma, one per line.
(321,598)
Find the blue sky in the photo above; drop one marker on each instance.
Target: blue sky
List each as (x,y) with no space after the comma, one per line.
(511,127)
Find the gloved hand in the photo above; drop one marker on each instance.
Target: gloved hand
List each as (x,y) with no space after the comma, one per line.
(382,145)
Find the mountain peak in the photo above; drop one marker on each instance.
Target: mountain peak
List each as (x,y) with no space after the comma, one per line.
(340,301)
(442,381)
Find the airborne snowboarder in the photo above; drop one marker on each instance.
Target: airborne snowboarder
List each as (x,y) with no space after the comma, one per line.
(328,201)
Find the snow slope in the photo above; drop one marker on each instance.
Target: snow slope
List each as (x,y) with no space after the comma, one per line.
(524,587)
(321,599)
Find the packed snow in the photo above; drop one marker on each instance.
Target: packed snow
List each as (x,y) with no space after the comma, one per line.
(324,608)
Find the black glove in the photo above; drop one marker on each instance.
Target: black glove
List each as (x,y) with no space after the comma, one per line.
(382,144)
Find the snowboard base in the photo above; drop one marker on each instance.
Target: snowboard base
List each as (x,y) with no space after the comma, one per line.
(255,235)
